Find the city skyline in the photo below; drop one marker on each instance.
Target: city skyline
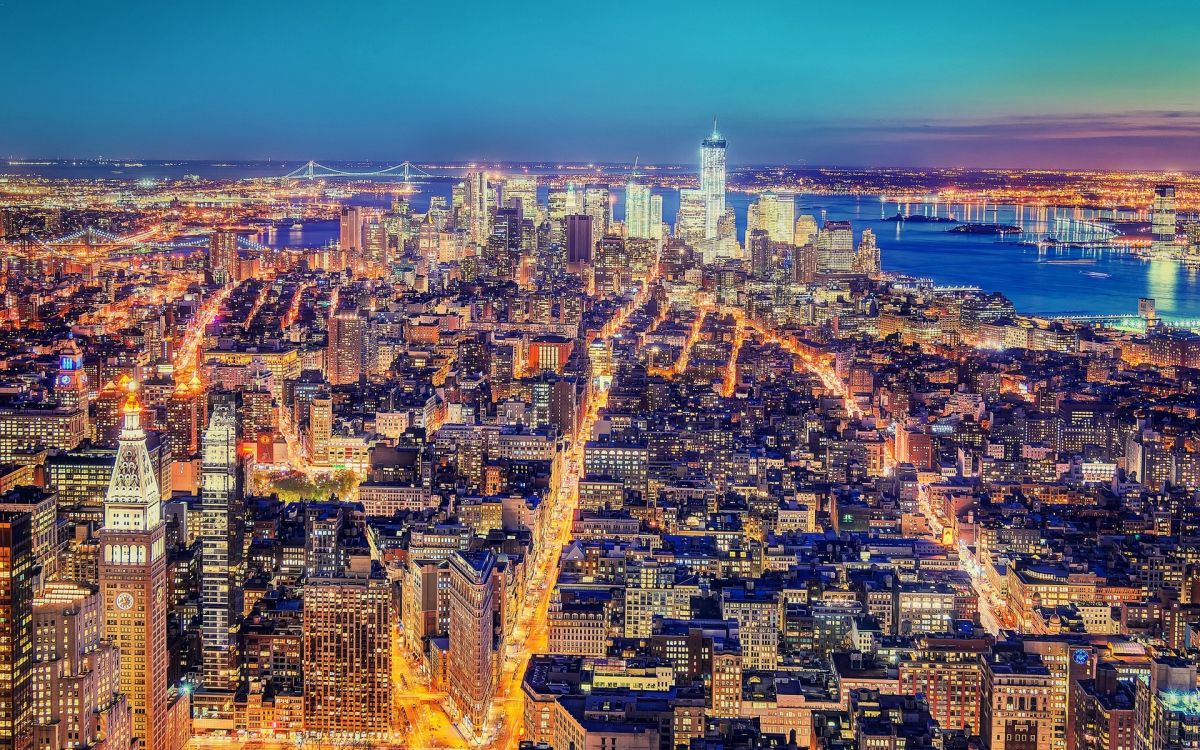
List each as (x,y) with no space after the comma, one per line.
(1025,88)
(514,376)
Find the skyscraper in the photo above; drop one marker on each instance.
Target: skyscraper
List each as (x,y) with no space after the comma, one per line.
(471,673)
(692,217)
(71,383)
(477,213)
(637,210)
(133,578)
(345,354)
(221,545)
(1162,219)
(596,205)
(521,193)
(504,245)
(16,629)
(350,230)
(375,248)
(774,213)
(758,243)
(712,181)
(580,231)
(78,700)
(866,260)
(805,230)
(835,247)
(347,654)
(223,256)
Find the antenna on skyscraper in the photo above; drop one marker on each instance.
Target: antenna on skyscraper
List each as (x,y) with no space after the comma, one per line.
(634,174)
(714,126)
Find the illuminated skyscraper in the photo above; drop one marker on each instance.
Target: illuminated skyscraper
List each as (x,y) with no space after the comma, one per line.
(471,673)
(345,354)
(350,230)
(690,221)
(521,193)
(503,253)
(774,213)
(867,258)
(805,231)
(637,210)
(375,248)
(476,210)
(71,383)
(223,256)
(562,203)
(221,540)
(78,700)
(1162,219)
(347,654)
(712,181)
(16,629)
(133,578)
(835,247)
(596,205)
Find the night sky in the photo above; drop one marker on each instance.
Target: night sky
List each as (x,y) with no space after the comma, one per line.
(1020,84)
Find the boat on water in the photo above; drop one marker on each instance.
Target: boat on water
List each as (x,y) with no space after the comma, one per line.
(1070,262)
(1096,274)
(297,225)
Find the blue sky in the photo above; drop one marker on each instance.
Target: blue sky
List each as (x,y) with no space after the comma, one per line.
(1057,84)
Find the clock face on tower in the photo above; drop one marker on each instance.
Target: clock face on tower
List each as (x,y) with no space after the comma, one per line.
(124,600)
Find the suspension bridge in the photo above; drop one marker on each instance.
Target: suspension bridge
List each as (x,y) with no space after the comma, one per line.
(99,244)
(312,170)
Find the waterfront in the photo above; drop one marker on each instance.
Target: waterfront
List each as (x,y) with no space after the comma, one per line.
(1110,285)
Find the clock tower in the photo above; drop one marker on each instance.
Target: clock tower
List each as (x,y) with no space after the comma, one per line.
(133,578)
(71,382)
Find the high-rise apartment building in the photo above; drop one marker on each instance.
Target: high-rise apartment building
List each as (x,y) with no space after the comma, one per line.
(374,248)
(184,415)
(712,181)
(223,256)
(1016,711)
(133,579)
(221,546)
(16,629)
(346,349)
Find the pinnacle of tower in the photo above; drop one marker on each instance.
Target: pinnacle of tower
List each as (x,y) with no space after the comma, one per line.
(132,501)
(133,404)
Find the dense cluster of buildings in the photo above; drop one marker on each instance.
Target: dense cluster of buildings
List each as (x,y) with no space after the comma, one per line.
(513,471)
